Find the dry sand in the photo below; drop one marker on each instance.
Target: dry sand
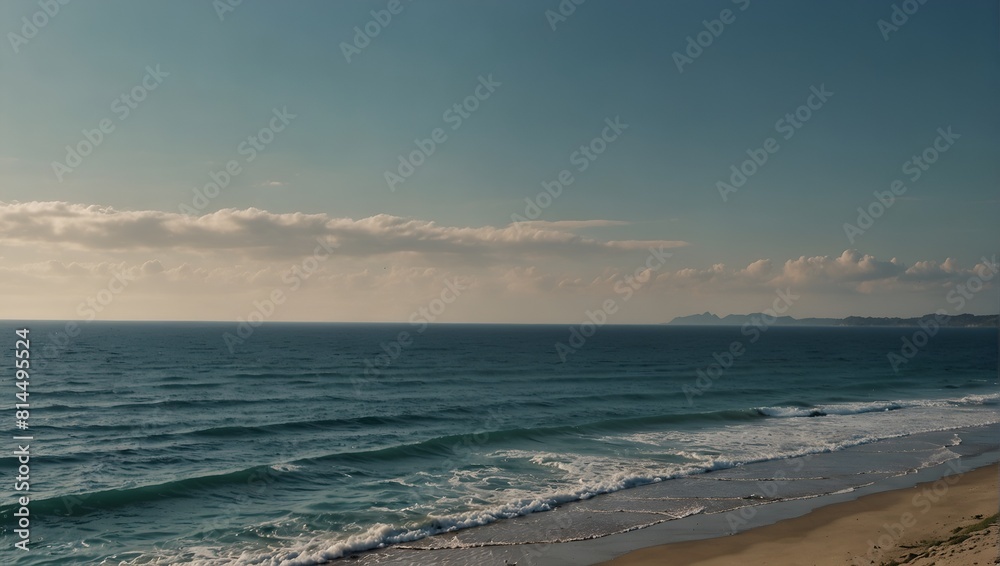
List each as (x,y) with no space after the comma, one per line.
(940,523)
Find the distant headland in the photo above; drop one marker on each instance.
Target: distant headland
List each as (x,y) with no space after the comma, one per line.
(958,320)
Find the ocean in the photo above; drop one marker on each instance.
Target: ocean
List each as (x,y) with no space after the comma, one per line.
(154,443)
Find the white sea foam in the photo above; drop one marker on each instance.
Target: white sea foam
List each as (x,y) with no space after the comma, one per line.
(846,425)
(787,412)
(875,406)
(838,409)
(990,399)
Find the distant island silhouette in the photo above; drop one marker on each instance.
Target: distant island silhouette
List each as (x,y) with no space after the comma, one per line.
(958,320)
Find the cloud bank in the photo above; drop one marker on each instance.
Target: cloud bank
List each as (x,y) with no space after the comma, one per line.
(260,233)
(53,255)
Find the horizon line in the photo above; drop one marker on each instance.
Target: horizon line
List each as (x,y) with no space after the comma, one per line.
(456,323)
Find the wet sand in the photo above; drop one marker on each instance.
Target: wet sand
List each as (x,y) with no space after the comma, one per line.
(941,522)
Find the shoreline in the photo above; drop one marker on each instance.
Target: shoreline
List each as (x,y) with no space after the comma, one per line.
(496,542)
(940,522)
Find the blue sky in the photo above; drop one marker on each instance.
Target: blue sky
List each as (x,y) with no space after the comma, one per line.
(657,181)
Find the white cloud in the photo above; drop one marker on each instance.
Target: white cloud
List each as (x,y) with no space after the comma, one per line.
(850,266)
(258,233)
(272,184)
(213,266)
(570,224)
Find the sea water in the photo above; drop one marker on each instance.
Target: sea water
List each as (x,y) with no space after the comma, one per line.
(155,443)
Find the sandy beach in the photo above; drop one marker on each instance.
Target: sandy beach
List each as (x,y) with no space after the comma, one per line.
(951,521)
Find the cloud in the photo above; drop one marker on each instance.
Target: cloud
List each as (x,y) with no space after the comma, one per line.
(272,184)
(569,225)
(931,271)
(258,233)
(214,265)
(850,266)
(850,271)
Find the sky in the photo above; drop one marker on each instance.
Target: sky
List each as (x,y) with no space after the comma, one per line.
(497,161)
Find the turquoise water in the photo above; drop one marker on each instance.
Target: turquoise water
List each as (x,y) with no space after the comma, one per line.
(156,444)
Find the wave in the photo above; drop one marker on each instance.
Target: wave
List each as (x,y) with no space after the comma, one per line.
(448,445)
(316,552)
(79,504)
(989,399)
(442,447)
(293,426)
(873,406)
(593,479)
(255,430)
(827,410)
